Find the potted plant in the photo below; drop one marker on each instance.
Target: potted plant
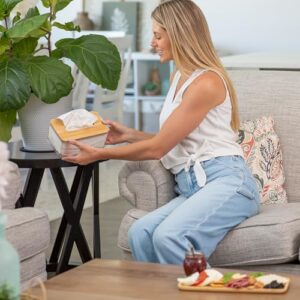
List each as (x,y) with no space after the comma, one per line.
(151,89)
(25,72)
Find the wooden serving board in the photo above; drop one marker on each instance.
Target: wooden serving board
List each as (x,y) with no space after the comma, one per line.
(232,290)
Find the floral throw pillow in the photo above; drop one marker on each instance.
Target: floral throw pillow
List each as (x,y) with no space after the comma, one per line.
(263,155)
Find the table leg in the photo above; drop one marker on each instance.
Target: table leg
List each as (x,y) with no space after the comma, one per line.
(31,187)
(73,213)
(97,238)
(63,224)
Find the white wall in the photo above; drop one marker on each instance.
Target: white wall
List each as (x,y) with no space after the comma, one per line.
(94,8)
(239,26)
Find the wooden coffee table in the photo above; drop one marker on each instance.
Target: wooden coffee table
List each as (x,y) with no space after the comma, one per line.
(114,279)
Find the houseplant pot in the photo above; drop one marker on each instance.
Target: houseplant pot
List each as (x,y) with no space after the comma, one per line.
(35,118)
(23,71)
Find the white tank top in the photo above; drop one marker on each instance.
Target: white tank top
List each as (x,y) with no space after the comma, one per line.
(213,137)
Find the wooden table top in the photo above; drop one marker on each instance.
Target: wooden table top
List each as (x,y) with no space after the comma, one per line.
(113,279)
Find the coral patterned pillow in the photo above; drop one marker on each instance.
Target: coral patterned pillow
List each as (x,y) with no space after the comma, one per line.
(263,155)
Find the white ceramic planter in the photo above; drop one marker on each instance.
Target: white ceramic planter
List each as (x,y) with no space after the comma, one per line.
(35,118)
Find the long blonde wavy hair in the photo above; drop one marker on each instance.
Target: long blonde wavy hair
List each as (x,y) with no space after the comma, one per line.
(191,43)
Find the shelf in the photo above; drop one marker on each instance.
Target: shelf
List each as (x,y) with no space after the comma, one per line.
(142,64)
(151,98)
(129,91)
(144,56)
(129,98)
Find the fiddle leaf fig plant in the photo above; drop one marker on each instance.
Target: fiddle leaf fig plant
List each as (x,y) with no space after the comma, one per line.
(25,69)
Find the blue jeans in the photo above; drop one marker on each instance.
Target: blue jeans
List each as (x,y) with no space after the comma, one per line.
(198,217)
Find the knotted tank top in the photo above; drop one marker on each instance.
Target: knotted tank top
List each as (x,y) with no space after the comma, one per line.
(213,136)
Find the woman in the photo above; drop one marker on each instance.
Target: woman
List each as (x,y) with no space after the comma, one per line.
(196,142)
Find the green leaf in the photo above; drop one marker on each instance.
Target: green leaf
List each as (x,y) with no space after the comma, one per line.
(69,26)
(50,78)
(16,18)
(2,28)
(25,47)
(7,121)
(25,27)
(32,12)
(42,31)
(61,4)
(57,53)
(65,42)
(96,57)
(46,3)
(4,44)
(2,10)
(6,6)
(6,292)
(45,28)
(53,3)
(14,85)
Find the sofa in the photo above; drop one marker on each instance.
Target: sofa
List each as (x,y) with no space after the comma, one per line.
(27,229)
(269,239)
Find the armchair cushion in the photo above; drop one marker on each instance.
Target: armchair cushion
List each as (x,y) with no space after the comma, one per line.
(270,237)
(31,269)
(28,230)
(35,228)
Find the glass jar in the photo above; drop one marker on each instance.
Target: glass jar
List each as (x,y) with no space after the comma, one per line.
(9,266)
(194,262)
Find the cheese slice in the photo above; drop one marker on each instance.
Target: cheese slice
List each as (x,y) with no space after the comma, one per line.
(266,279)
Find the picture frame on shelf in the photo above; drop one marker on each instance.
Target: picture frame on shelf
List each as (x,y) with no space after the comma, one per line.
(121,16)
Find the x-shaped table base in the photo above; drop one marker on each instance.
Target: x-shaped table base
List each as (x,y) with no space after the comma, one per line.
(70,230)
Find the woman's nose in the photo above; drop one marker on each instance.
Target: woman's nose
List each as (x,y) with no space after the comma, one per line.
(152,43)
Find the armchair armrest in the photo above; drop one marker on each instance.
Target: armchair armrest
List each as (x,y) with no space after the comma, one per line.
(146,184)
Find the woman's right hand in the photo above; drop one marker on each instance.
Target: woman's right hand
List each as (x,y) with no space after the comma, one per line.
(117,134)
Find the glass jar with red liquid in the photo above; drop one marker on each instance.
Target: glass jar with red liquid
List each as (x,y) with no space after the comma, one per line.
(194,262)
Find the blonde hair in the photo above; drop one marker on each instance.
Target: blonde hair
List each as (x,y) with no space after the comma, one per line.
(191,43)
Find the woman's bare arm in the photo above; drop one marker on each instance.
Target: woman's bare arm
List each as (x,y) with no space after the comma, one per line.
(119,133)
(203,94)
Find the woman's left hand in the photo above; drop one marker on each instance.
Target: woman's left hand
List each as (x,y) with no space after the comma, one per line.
(86,155)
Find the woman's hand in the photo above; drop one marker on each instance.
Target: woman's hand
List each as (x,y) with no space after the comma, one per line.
(86,155)
(117,134)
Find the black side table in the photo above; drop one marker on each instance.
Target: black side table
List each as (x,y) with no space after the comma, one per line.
(70,230)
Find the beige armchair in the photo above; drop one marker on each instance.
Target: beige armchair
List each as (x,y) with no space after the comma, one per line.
(269,238)
(27,229)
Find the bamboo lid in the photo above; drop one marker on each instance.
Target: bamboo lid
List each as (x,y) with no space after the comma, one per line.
(97,129)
